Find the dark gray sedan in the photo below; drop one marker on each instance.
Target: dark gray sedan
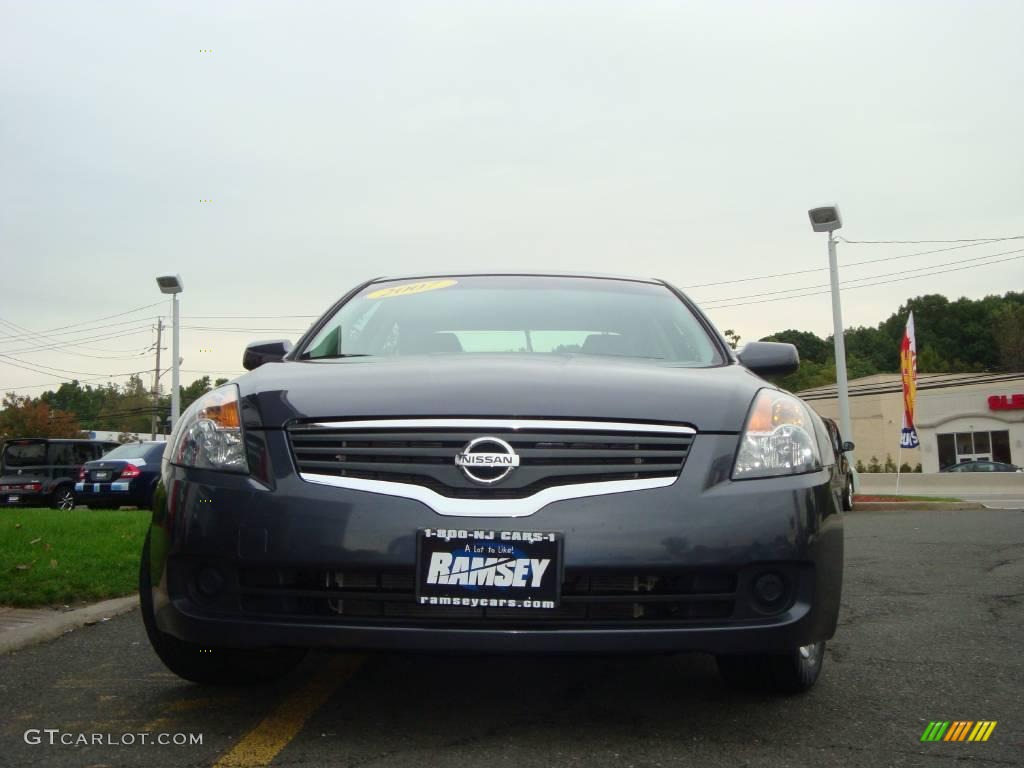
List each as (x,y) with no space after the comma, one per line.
(499,464)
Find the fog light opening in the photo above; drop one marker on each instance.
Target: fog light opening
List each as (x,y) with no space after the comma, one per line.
(770,589)
(209,581)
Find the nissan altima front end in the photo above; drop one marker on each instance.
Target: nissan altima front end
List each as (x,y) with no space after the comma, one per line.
(499,463)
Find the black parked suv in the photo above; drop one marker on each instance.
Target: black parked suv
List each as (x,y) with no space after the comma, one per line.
(40,472)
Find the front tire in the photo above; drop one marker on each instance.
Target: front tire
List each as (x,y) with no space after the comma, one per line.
(848,495)
(210,665)
(784,673)
(63,498)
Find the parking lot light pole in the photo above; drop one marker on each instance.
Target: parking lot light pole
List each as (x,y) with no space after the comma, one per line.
(172,284)
(827,219)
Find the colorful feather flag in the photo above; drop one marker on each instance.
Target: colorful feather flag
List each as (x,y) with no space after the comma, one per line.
(908,373)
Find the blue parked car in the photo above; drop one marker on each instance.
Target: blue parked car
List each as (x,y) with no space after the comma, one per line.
(125,477)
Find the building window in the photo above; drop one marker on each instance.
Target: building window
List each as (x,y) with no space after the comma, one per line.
(955,447)
(1001,446)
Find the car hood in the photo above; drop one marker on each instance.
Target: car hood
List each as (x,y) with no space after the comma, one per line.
(510,386)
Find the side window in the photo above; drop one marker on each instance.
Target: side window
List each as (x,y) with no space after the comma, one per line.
(837,443)
(61,455)
(83,453)
(825,441)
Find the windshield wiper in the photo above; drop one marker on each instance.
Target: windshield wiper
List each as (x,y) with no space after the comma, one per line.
(337,356)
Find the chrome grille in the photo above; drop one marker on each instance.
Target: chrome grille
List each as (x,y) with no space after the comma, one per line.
(422,452)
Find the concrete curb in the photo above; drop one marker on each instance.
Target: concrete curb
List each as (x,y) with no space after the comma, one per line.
(53,627)
(917,506)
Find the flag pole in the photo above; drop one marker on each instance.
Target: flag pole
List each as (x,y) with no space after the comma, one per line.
(899,462)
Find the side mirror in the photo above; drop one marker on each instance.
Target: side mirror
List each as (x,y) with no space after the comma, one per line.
(769,358)
(260,352)
(847,446)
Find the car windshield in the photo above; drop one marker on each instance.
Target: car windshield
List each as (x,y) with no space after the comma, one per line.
(516,315)
(135,451)
(24,454)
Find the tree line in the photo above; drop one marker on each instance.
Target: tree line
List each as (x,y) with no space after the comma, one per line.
(962,336)
(73,408)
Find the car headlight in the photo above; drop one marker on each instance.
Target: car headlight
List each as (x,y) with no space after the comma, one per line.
(209,435)
(778,438)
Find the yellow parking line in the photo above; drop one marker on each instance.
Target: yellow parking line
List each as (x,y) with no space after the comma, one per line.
(262,744)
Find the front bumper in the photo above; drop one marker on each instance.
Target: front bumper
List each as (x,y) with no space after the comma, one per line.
(212,523)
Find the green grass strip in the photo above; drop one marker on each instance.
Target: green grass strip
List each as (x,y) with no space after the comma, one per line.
(58,557)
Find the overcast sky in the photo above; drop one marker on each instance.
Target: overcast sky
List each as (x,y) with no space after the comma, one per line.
(341,141)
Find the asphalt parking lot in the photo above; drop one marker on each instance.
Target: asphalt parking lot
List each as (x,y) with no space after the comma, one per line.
(932,628)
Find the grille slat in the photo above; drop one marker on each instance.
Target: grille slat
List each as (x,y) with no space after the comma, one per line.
(383,467)
(669,452)
(376,450)
(457,436)
(547,457)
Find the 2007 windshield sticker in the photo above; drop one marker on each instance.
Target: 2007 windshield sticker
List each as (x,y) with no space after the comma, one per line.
(410,288)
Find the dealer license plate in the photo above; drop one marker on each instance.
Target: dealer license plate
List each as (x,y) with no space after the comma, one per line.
(489,569)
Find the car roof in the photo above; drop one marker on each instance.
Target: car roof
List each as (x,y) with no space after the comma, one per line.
(522,273)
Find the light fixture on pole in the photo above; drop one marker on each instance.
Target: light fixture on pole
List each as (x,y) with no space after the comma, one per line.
(827,219)
(172,284)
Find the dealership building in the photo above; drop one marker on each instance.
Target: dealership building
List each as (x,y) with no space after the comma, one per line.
(959,416)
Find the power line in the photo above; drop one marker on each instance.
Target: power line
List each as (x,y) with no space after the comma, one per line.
(844,265)
(846,283)
(200,370)
(62,346)
(855,287)
(98,319)
(923,242)
(848,264)
(29,335)
(73,352)
(65,378)
(61,370)
(243,330)
(248,317)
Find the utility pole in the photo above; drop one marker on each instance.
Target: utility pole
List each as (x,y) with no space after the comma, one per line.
(156,378)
